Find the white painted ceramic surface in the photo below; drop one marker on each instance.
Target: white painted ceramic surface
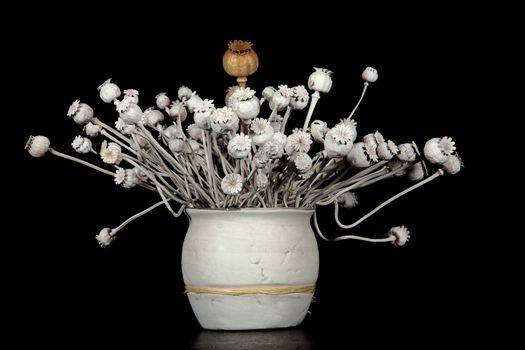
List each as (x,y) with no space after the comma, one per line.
(249,248)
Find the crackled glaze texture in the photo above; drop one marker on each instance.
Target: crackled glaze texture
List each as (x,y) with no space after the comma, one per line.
(249,248)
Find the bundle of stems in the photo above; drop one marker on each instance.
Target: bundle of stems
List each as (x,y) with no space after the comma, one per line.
(233,158)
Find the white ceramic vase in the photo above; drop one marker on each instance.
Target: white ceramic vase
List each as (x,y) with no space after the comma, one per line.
(250,268)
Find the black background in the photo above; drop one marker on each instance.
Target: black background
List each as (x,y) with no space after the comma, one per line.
(428,63)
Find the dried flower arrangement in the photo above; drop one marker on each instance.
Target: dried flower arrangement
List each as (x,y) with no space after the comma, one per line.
(231,157)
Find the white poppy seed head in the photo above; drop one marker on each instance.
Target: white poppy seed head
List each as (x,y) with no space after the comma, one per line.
(259,125)
(231,184)
(131,92)
(453,165)
(240,146)
(105,237)
(80,112)
(243,94)
(298,141)
(81,144)
(416,172)
(407,152)
(347,200)
(92,130)
(343,133)
(302,162)
(162,100)
(109,91)
(112,154)
(369,75)
(37,146)
(184,93)
(261,180)
(401,234)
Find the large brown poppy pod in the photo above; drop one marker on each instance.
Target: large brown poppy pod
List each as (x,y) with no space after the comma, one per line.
(240,60)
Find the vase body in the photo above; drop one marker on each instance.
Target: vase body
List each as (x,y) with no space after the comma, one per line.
(250,268)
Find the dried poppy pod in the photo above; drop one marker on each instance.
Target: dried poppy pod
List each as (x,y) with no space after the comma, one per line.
(162,100)
(109,91)
(240,146)
(105,237)
(92,130)
(153,117)
(80,112)
(240,60)
(82,145)
(37,146)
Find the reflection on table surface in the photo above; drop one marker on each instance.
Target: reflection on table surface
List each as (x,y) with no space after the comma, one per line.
(264,339)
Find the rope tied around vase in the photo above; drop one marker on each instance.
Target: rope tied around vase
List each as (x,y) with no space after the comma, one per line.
(268,290)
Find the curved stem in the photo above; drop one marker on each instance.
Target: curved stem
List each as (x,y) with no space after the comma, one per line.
(165,201)
(319,198)
(342,238)
(336,183)
(80,161)
(388,201)
(160,188)
(358,102)
(137,216)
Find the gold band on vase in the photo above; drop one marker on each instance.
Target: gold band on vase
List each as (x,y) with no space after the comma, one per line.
(269,290)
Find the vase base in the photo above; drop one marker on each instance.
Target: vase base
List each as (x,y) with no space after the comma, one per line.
(249,312)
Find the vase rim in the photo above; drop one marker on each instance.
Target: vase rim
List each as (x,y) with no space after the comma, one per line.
(250,210)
